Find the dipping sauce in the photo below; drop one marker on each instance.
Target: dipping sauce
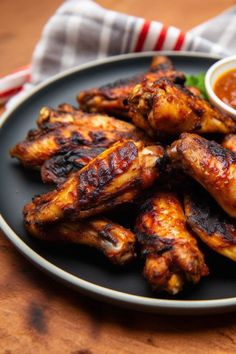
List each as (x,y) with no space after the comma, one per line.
(225,87)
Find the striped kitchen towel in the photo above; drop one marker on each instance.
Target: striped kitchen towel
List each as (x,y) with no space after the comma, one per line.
(81,30)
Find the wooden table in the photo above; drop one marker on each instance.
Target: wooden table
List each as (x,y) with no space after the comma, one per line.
(38,315)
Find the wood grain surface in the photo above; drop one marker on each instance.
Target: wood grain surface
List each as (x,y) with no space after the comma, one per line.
(38,315)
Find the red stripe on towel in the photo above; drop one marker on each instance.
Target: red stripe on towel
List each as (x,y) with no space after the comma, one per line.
(10,92)
(161,38)
(142,36)
(179,41)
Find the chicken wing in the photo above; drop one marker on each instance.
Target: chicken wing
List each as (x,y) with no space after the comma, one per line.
(172,254)
(97,131)
(60,166)
(112,98)
(114,177)
(161,63)
(164,108)
(49,118)
(229,142)
(116,242)
(211,223)
(65,114)
(213,166)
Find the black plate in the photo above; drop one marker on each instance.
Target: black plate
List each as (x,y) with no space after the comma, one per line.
(81,267)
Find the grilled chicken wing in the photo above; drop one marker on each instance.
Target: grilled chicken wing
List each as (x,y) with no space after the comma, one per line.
(112,98)
(211,223)
(172,254)
(161,63)
(116,242)
(60,166)
(213,166)
(65,114)
(50,118)
(114,177)
(99,131)
(229,142)
(164,108)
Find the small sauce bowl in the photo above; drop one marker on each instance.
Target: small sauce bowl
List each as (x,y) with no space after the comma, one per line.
(212,75)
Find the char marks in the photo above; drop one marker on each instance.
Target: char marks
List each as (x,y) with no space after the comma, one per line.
(91,181)
(206,215)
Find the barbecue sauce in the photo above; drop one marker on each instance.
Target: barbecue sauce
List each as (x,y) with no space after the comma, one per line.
(225,87)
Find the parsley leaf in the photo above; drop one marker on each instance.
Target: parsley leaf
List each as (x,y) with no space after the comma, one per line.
(197,81)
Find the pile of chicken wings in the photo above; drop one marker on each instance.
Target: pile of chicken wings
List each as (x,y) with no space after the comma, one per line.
(147,141)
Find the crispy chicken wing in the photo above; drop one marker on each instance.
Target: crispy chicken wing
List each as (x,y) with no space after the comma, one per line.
(114,177)
(112,98)
(50,118)
(98,130)
(211,223)
(229,142)
(172,254)
(60,166)
(164,108)
(116,242)
(213,166)
(161,63)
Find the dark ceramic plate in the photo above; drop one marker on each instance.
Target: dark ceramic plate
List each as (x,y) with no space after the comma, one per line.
(83,268)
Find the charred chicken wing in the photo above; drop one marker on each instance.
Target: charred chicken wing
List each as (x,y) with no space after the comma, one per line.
(60,166)
(112,98)
(213,166)
(49,118)
(98,130)
(116,242)
(172,254)
(65,114)
(211,223)
(114,177)
(229,142)
(164,108)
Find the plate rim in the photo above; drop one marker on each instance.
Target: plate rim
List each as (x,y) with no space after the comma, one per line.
(115,296)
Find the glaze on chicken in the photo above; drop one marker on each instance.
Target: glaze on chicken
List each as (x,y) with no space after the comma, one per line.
(116,176)
(112,98)
(210,223)
(60,166)
(163,108)
(65,114)
(114,241)
(88,130)
(213,166)
(171,252)
(229,142)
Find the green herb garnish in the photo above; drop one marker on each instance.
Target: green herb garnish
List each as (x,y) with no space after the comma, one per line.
(197,81)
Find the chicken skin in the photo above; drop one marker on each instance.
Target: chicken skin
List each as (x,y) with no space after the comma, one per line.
(96,131)
(65,114)
(166,109)
(112,98)
(114,241)
(171,252)
(210,223)
(114,177)
(161,63)
(213,166)
(60,166)
(229,142)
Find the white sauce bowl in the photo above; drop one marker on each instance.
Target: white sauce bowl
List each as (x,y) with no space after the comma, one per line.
(213,73)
